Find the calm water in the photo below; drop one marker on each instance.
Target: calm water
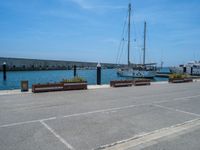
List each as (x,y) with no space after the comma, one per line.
(14,78)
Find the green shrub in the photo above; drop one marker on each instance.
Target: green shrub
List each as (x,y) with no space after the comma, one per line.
(178,76)
(75,79)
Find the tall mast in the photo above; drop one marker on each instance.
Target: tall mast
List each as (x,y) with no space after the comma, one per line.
(144,52)
(129,33)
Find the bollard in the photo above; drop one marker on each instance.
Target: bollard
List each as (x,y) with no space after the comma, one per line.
(191,70)
(184,69)
(4,71)
(75,71)
(99,74)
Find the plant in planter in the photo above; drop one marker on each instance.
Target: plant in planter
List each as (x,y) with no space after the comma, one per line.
(179,78)
(76,83)
(73,80)
(121,83)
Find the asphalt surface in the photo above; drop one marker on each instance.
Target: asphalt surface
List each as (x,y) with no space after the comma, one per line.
(156,117)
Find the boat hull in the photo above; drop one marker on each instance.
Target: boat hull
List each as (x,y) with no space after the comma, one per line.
(188,70)
(137,73)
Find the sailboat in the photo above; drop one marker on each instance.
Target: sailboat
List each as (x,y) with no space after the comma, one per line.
(137,70)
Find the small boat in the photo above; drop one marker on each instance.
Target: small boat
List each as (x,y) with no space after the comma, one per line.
(137,70)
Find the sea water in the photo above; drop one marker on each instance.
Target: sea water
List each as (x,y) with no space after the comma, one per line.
(34,77)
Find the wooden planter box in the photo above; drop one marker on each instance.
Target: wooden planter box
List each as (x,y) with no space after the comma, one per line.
(188,80)
(38,88)
(74,86)
(141,82)
(121,83)
(180,80)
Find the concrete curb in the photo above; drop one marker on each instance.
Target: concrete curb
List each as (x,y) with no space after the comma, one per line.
(90,87)
(18,91)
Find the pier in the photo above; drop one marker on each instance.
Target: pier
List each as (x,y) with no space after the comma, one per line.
(159,116)
(22,64)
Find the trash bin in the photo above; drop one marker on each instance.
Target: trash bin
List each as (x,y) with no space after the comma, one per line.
(24,86)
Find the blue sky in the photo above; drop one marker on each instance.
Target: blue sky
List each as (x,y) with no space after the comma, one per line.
(90,30)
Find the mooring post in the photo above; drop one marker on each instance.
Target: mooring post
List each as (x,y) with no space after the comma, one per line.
(98,74)
(184,69)
(4,71)
(75,71)
(191,70)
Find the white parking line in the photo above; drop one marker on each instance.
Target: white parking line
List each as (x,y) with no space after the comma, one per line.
(26,122)
(105,110)
(177,110)
(19,123)
(73,115)
(177,99)
(68,146)
(188,97)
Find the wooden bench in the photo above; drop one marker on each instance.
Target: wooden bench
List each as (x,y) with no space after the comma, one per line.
(121,83)
(141,82)
(188,80)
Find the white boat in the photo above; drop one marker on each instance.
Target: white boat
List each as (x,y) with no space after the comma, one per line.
(137,70)
(136,73)
(191,68)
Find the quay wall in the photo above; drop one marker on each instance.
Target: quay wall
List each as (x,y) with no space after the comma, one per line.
(22,64)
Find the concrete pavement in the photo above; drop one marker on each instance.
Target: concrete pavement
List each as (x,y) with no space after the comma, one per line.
(108,118)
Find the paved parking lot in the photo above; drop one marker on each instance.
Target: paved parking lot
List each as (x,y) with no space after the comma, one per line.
(160,116)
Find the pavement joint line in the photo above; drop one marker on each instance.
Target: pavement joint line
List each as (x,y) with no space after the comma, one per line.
(151,136)
(177,110)
(68,146)
(99,111)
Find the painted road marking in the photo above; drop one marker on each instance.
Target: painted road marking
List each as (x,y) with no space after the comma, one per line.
(178,99)
(26,122)
(151,136)
(73,115)
(177,110)
(68,146)
(104,110)
(100,111)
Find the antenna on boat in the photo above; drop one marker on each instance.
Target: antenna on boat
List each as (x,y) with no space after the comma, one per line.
(144,50)
(129,33)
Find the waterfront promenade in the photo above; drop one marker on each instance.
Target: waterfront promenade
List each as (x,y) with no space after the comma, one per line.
(160,116)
